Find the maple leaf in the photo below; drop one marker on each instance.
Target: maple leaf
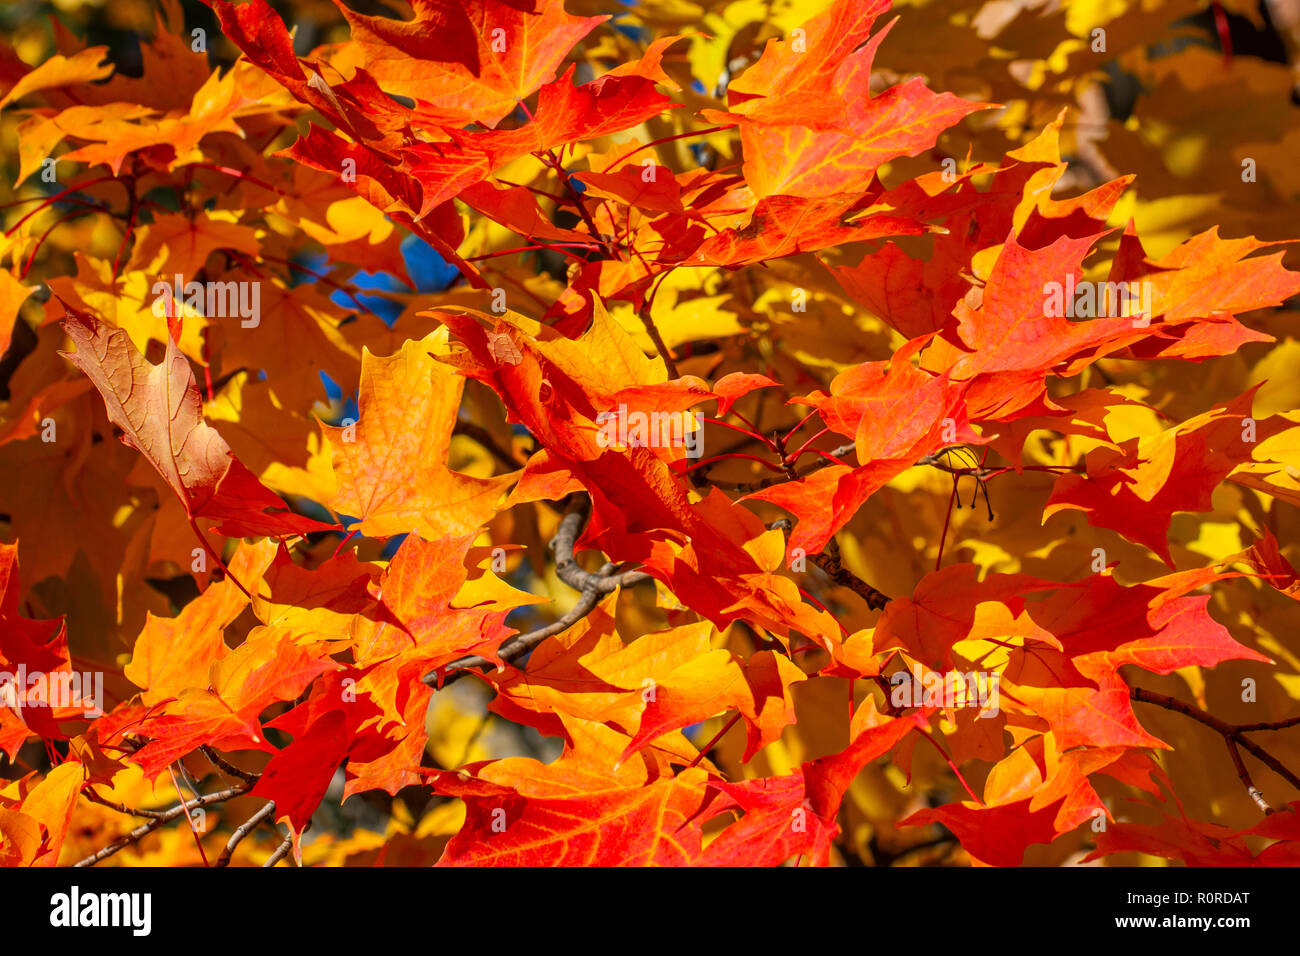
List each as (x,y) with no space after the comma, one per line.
(1025,804)
(12,295)
(160,413)
(296,778)
(565,113)
(84,67)
(183,243)
(1013,339)
(268,667)
(46,807)
(1265,556)
(918,294)
(38,647)
(576,811)
(793,815)
(472,61)
(1178,837)
(1137,491)
(173,655)
(390,465)
(854,132)
(787,225)
(994,835)
(661,682)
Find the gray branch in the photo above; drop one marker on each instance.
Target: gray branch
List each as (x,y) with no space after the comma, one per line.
(163,817)
(591,587)
(247,827)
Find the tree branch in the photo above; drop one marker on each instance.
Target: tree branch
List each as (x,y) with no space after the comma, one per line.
(164,817)
(94,797)
(280,853)
(1234,735)
(829,562)
(247,827)
(566,567)
(1244,776)
(816,465)
(226,766)
(591,588)
(653,331)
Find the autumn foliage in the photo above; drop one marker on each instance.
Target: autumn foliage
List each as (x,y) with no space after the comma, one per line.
(511,432)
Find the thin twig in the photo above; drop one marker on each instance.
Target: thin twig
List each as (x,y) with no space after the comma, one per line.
(280,853)
(1244,776)
(592,587)
(94,797)
(145,829)
(816,465)
(247,827)
(829,561)
(226,766)
(664,352)
(1234,734)
(194,832)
